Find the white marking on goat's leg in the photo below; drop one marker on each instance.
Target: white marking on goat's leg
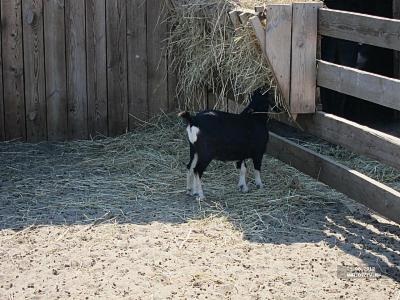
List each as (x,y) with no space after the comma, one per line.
(242,179)
(200,194)
(193,133)
(257,176)
(190,176)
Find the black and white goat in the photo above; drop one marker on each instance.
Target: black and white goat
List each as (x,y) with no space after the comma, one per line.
(227,137)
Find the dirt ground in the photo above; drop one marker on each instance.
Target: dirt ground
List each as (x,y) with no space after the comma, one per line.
(95,220)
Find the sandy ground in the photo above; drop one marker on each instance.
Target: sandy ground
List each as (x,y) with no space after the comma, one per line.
(205,259)
(110,219)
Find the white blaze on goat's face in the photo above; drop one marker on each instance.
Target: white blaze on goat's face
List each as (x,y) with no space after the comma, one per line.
(193,132)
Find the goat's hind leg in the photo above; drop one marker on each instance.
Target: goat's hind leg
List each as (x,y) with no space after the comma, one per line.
(257,161)
(242,179)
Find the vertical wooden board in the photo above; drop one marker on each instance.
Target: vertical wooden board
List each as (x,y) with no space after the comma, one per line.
(56,71)
(35,89)
(137,62)
(2,133)
(13,70)
(76,69)
(156,56)
(96,48)
(396,64)
(278,40)
(211,100)
(117,67)
(304,51)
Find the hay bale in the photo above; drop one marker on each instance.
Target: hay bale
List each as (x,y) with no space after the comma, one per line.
(208,53)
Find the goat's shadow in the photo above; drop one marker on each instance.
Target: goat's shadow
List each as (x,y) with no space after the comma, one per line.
(42,185)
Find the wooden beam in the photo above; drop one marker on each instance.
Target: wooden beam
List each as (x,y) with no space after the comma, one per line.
(372,30)
(355,137)
(233,15)
(368,86)
(396,62)
(278,41)
(375,195)
(304,53)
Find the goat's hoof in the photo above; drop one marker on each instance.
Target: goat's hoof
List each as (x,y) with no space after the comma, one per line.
(200,197)
(189,192)
(243,188)
(259,185)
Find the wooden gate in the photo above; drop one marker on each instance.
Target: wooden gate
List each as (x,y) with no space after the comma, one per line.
(289,39)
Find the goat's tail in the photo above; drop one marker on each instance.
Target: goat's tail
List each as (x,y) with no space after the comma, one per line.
(186,116)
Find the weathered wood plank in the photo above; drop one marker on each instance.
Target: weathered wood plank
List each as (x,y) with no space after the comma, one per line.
(368,86)
(259,31)
(56,70)
(396,62)
(137,62)
(2,132)
(355,137)
(278,39)
(96,67)
(76,69)
(376,31)
(156,58)
(35,89)
(13,70)
(377,196)
(117,67)
(304,52)
(211,100)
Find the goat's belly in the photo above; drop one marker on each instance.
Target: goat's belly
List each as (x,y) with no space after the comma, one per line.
(232,155)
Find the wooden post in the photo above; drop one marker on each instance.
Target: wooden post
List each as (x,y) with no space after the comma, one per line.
(2,132)
(304,53)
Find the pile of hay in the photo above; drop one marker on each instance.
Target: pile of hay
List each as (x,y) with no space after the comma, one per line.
(208,53)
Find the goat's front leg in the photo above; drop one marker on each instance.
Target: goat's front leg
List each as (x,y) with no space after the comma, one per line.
(242,179)
(190,187)
(257,161)
(199,169)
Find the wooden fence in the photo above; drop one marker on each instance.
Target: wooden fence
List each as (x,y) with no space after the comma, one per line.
(71,69)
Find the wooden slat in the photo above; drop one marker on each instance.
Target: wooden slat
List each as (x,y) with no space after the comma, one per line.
(137,62)
(35,89)
(376,31)
(259,31)
(234,17)
(13,70)
(96,67)
(117,67)
(371,87)
(278,41)
(211,100)
(377,196)
(76,69)
(304,51)
(396,63)
(2,132)
(156,58)
(56,72)
(355,137)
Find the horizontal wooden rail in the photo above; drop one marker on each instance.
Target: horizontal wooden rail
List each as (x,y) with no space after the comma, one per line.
(375,195)
(367,29)
(368,86)
(353,136)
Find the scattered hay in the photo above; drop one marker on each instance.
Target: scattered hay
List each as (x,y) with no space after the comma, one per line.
(140,178)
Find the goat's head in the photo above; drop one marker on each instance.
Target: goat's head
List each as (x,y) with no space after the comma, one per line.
(260,102)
